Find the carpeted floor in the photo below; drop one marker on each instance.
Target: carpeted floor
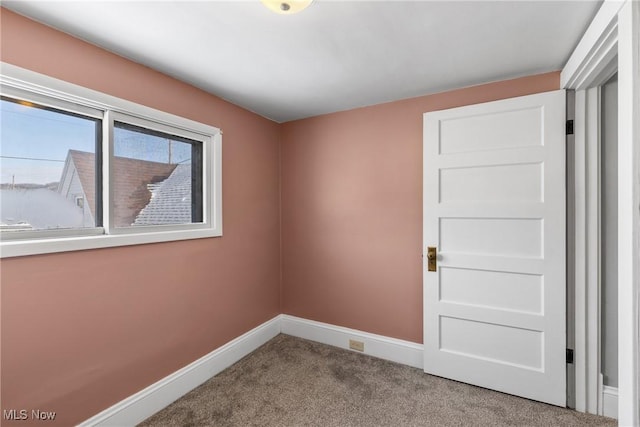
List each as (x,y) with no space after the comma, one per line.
(294,382)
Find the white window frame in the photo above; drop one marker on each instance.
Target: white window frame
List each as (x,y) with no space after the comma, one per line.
(51,92)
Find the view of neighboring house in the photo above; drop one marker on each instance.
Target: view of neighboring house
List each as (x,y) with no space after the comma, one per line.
(131,186)
(146,193)
(77,183)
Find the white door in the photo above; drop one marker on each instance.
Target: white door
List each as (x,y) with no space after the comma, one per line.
(494,207)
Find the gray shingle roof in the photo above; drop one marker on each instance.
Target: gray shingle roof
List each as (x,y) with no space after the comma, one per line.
(170,200)
(131,181)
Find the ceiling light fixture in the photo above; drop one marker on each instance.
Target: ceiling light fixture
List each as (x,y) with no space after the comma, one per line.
(286,7)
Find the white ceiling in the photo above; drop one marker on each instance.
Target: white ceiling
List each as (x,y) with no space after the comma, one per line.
(333,56)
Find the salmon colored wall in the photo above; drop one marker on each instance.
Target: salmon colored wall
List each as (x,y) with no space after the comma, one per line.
(352,210)
(84,330)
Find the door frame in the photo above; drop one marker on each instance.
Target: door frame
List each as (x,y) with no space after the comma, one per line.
(610,43)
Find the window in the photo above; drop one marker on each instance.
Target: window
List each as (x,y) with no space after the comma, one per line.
(80,169)
(158,177)
(39,182)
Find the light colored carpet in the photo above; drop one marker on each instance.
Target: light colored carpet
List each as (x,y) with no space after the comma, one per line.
(295,382)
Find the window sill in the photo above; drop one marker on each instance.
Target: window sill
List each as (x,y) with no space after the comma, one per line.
(16,248)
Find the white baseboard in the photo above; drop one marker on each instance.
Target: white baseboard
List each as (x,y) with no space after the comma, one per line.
(152,399)
(610,402)
(405,352)
(142,405)
(147,402)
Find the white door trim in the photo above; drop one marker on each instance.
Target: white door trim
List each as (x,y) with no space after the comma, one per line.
(596,49)
(586,234)
(629,214)
(612,35)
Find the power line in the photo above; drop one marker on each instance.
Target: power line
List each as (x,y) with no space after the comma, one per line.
(32,158)
(67,122)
